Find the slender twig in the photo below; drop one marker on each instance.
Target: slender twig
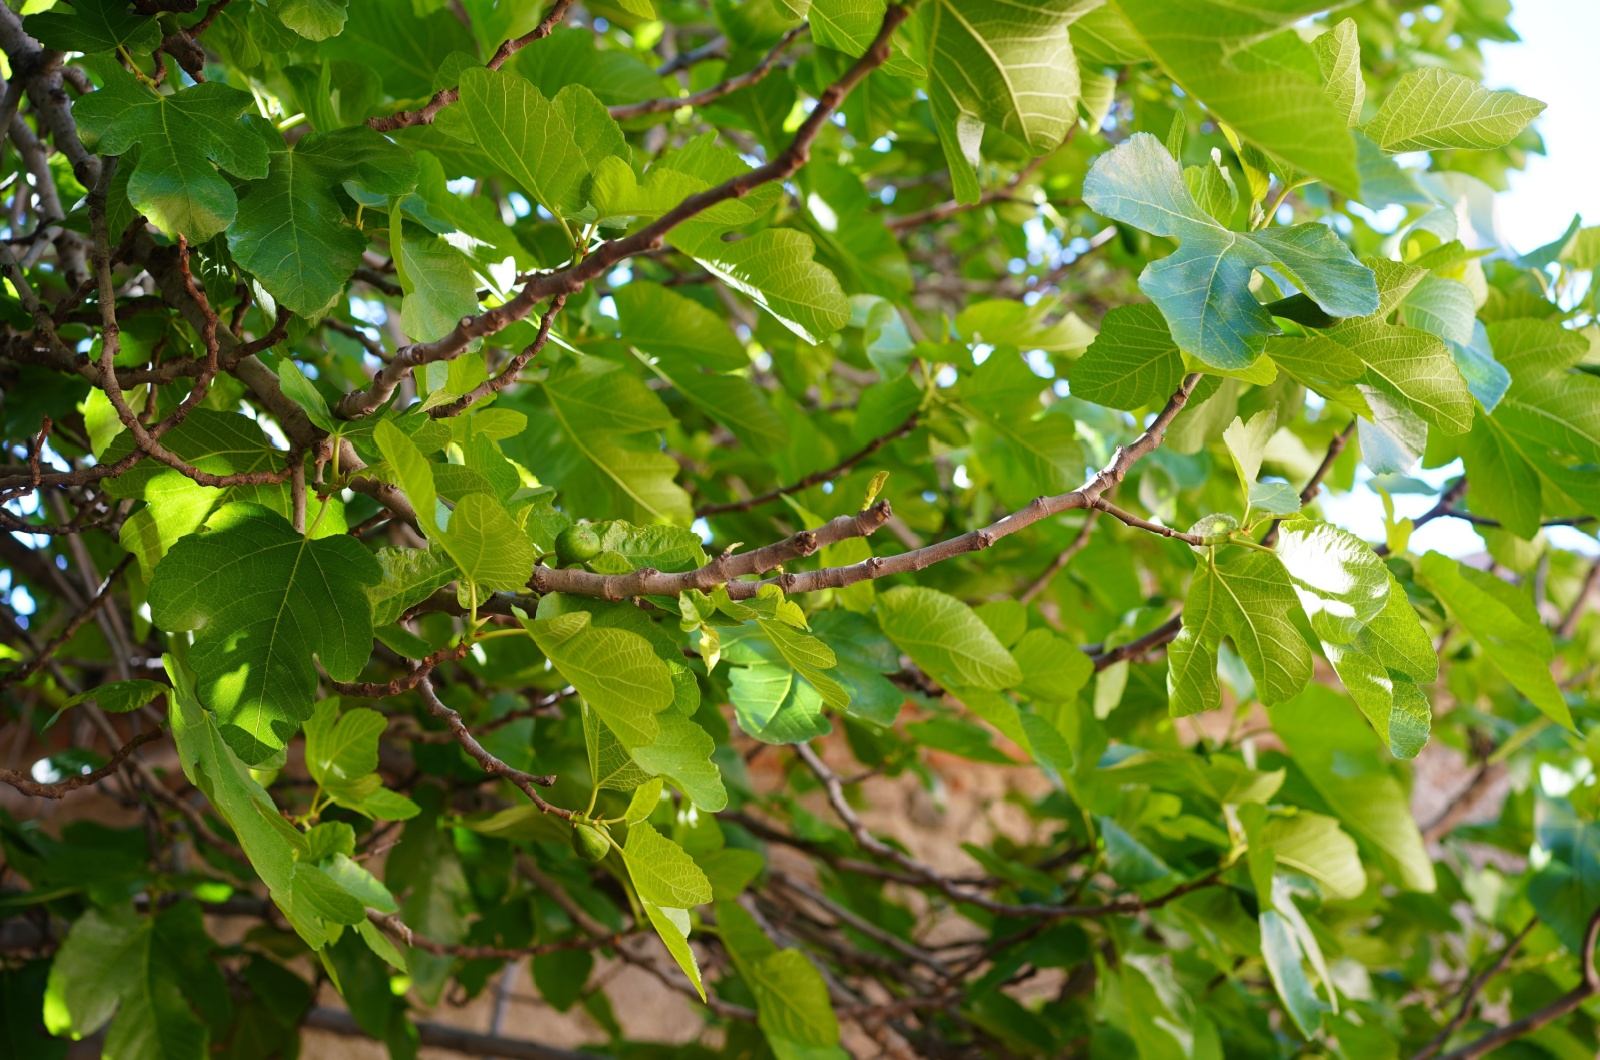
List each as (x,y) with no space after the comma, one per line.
(1461,804)
(454,1039)
(715,48)
(395,926)
(28,786)
(933,878)
(1447,502)
(1081,498)
(1569,623)
(441,99)
(1141,646)
(1314,484)
(606,256)
(816,478)
(1587,987)
(526,782)
(509,373)
(676,980)
(368,343)
(544,706)
(406,682)
(1141,523)
(1168,630)
(756,73)
(946,210)
(1065,557)
(375,279)
(855,920)
(1469,993)
(44,654)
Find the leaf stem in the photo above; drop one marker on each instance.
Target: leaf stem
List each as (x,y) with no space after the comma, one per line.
(1267,217)
(321,512)
(134,68)
(1239,537)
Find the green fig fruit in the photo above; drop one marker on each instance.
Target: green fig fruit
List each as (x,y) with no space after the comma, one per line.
(576,544)
(589,842)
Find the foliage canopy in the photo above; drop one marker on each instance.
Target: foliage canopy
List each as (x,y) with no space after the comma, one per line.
(491,482)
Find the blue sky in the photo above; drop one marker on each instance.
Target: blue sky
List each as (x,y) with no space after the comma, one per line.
(1555,62)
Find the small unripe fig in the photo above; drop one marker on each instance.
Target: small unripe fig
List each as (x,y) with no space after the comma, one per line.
(589,842)
(577,543)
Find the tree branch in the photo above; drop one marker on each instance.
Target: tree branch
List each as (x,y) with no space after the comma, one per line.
(1588,987)
(1086,496)
(1470,992)
(1140,523)
(1060,562)
(910,951)
(28,786)
(1169,630)
(526,782)
(446,96)
(722,570)
(1314,484)
(385,689)
(708,95)
(1447,501)
(946,210)
(715,48)
(607,255)
(397,928)
(933,878)
(509,373)
(1569,623)
(29,668)
(816,478)
(440,1036)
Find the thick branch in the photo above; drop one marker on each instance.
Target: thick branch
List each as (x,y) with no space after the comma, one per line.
(724,569)
(1086,496)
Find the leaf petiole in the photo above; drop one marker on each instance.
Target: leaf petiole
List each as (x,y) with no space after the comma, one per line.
(321,512)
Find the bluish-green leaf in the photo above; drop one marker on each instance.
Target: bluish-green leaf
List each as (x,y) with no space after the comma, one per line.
(1202,288)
